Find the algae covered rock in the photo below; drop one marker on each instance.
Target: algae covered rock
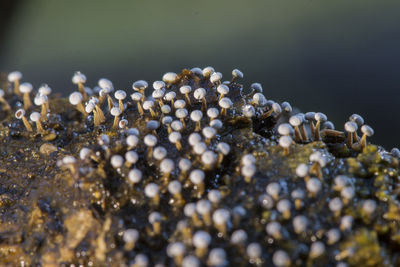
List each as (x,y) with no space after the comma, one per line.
(195,171)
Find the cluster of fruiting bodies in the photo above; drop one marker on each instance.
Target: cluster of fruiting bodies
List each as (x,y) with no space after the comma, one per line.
(195,172)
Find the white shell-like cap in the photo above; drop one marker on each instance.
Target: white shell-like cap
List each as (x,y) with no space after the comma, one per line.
(215,77)
(314,185)
(140,85)
(199,148)
(194,138)
(217,257)
(237,73)
(26,88)
(136,96)
(248,111)
(212,113)
(174,187)
(350,126)
(158,94)
(223,148)
(177,125)
(287,107)
(214,196)
(256,87)
(158,85)
(189,209)
(184,164)
(273,189)
(75,98)
(148,104)
(248,170)
(120,94)
(216,124)
(347,192)
(203,206)
(170,96)
(209,132)
(302,170)
(151,190)
(239,237)
(199,93)
(209,157)
(14,76)
(78,77)
(285,141)
(335,204)
(259,99)
(131,157)
(181,113)
(317,249)
(135,175)
(190,261)
(166,109)
(176,249)
(248,159)
(201,239)
(132,140)
(174,137)
(89,107)
(295,120)
(225,103)
(281,259)
(221,216)
(115,111)
(367,130)
(180,103)
(207,71)
(40,99)
(154,217)
(35,116)
(167,166)
(254,250)
(357,119)
(273,228)
(196,115)
(130,236)
(117,161)
(223,89)
(285,129)
(150,140)
(320,117)
(84,153)
(159,153)
(141,260)
(106,84)
(170,77)
(300,224)
(197,176)
(185,89)
(369,206)
(283,205)
(44,89)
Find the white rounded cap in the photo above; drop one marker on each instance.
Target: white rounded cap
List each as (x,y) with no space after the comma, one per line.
(120,94)
(170,77)
(130,236)
(44,89)
(203,206)
(184,164)
(135,175)
(151,190)
(148,104)
(176,249)
(158,85)
(259,99)
(201,239)
(209,132)
(26,88)
(300,223)
(14,76)
(150,140)
(131,157)
(221,216)
(170,96)
(132,140)
(314,185)
(78,78)
(302,170)
(239,237)
(212,113)
(248,111)
(199,148)
(285,129)
(194,138)
(106,84)
(197,176)
(199,93)
(174,137)
(177,125)
(254,250)
(140,85)
(117,161)
(207,71)
(248,170)
(217,257)
(215,77)
(223,148)
(35,116)
(136,96)
(185,89)
(223,89)
(180,103)
(181,113)
(209,157)
(196,115)
(174,187)
(256,87)
(216,124)
(285,141)
(281,259)
(237,73)
(190,261)
(367,130)
(167,166)
(350,126)
(295,120)
(159,153)
(225,103)
(75,98)
(248,159)
(115,111)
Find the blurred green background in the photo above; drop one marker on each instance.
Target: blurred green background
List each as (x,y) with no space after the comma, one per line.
(338,57)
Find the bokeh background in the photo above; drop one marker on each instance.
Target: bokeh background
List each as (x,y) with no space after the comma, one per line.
(338,57)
